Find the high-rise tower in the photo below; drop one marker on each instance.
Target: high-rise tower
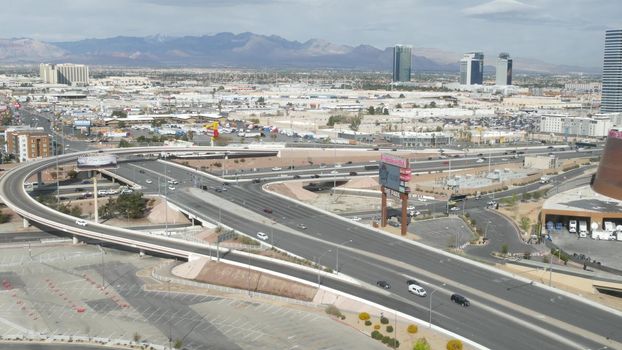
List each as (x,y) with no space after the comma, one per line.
(402,57)
(472,68)
(611,101)
(504,69)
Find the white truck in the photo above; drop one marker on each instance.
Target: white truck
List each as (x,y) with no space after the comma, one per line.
(609,226)
(582,229)
(601,234)
(572,226)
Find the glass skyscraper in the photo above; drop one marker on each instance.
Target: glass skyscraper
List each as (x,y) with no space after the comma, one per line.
(402,57)
(611,100)
(504,69)
(472,68)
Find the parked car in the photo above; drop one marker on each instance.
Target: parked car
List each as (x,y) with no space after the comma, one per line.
(460,300)
(383,284)
(262,236)
(148,181)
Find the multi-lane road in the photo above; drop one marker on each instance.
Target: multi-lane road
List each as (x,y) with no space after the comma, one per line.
(506,313)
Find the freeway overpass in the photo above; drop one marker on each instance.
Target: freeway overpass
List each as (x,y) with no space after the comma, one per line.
(519,315)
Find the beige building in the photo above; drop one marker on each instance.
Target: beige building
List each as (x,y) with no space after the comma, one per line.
(540,162)
(66,73)
(26,145)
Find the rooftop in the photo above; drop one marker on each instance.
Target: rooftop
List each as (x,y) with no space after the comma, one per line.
(583,199)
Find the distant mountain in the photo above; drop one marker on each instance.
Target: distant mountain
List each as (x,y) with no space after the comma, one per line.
(244,50)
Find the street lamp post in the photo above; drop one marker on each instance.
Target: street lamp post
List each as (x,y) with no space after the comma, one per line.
(319,267)
(430,306)
(338,246)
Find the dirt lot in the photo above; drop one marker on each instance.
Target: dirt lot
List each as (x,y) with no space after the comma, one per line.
(241,278)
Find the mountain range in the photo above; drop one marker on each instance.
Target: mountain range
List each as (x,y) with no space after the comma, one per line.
(244,50)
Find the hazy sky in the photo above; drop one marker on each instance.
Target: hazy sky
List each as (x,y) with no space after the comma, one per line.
(556,31)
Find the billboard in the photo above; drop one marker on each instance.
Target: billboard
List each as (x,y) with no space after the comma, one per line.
(79,123)
(394,160)
(389,176)
(97,161)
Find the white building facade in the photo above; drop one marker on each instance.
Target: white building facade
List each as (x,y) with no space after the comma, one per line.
(597,126)
(66,73)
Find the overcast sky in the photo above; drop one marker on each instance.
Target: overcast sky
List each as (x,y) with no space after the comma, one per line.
(555,31)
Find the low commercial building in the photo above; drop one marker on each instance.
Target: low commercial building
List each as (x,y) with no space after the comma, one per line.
(596,126)
(356,136)
(418,139)
(540,162)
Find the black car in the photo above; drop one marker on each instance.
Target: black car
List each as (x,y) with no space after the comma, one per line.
(141,171)
(256,181)
(315,176)
(353,173)
(409,282)
(383,284)
(267,210)
(296,176)
(460,300)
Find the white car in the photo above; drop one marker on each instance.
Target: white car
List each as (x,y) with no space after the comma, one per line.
(334,172)
(337,165)
(417,289)
(81,222)
(355,218)
(410,208)
(276,168)
(262,236)
(148,181)
(171,188)
(454,209)
(481,160)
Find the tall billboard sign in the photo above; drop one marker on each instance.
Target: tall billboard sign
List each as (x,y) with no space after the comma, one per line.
(97,161)
(394,173)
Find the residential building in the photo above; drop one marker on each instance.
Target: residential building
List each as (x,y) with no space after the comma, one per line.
(26,145)
(67,73)
(504,69)
(611,98)
(402,63)
(596,126)
(472,68)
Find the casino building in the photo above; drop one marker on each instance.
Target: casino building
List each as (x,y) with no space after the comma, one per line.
(596,203)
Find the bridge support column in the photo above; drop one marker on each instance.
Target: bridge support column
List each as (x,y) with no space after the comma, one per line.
(74,240)
(25,223)
(141,253)
(39,179)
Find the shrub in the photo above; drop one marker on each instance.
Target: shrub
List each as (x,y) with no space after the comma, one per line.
(334,311)
(421,344)
(504,249)
(384,320)
(368,323)
(376,326)
(390,329)
(363,316)
(376,335)
(454,344)
(393,343)
(412,328)
(385,339)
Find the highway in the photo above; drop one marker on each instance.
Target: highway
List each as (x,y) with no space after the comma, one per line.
(370,247)
(519,315)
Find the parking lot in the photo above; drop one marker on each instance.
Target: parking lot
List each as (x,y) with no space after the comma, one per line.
(605,252)
(82,291)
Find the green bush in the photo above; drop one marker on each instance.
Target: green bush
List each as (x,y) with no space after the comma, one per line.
(385,339)
(363,316)
(393,343)
(376,335)
(504,249)
(384,320)
(390,329)
(412,328)
(421,344)
(368,323)
(454,344)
